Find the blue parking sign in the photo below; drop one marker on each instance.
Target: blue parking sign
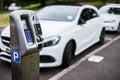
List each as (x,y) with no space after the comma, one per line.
(16,57)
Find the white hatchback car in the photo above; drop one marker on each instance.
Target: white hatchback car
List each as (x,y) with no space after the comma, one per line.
(111,14)
(67,31)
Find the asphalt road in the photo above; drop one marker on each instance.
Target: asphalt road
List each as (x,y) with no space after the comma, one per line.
(46,73)
(91,69)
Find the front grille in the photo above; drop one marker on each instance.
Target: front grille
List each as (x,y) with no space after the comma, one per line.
(5,41)
(8,57)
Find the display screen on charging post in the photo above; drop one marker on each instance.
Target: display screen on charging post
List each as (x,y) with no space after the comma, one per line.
(27,31)
(38,29)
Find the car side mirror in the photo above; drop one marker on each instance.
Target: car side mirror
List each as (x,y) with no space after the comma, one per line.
(81,21)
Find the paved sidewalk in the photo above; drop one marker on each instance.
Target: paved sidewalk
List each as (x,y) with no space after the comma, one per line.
(107,69)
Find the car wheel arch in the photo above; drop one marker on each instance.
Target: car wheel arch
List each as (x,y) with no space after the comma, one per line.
(118,28)
(73,43)
(102,36)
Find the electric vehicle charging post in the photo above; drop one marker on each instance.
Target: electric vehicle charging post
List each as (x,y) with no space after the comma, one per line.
(26,42)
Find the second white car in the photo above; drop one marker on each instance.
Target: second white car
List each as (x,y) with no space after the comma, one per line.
(111,14)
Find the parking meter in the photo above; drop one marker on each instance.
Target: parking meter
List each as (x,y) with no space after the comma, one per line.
(26,42)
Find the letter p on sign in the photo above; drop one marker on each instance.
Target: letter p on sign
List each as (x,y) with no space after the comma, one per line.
(16,58)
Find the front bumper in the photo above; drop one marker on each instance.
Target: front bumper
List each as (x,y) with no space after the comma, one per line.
(49,56)
(111,27)
(56,54)
(5,56)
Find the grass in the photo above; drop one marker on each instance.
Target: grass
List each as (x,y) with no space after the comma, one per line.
(4,12)
(96,3)
(4,20)
(32,7)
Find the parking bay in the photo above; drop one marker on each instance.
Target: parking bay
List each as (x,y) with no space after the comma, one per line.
(46,73)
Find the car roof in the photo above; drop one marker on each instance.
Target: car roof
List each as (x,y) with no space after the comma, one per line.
(113,5)
(74,6)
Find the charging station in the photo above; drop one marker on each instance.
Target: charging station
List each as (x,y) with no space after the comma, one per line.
(26,42)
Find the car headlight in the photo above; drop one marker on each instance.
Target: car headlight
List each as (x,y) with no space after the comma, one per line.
(111,21)
(51,41)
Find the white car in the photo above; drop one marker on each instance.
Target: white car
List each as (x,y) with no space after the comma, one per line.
(111,14)
(13,7)
(67,31)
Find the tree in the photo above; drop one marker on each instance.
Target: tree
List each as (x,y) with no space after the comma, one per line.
(117,1)
(1,4)
(43,3)
(79,1)
(104,1)
(4,3)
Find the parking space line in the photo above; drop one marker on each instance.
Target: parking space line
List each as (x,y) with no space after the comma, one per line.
(70,68)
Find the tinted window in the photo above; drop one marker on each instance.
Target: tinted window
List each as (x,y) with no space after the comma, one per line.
(114,10)
(58,13)
(93,13)
(85,15)
(110,10)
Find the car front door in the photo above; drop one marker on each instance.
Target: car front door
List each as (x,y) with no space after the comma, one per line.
(86,27)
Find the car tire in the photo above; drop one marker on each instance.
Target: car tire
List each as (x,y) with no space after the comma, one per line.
(118,30)
(67,56)
(102,36)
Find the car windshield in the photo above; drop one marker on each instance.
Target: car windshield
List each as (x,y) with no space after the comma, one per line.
(58,13)
(110,10)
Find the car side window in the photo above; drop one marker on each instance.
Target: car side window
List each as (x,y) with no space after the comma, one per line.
(114,11)
(84,17)
(93,13)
